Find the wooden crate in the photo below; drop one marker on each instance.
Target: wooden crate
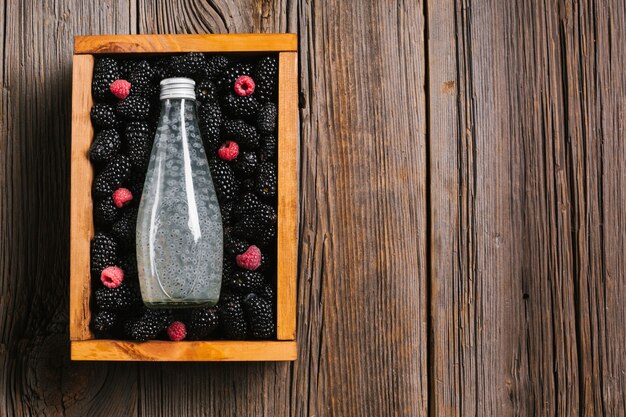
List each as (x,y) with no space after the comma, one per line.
(83,344)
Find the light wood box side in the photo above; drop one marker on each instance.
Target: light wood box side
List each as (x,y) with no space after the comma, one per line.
(287,260)
(118,350)
(270,42)
(81,223)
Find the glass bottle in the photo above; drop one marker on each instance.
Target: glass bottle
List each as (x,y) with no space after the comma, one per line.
(179,225)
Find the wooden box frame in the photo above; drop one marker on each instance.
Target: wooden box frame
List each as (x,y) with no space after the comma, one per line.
(83,344)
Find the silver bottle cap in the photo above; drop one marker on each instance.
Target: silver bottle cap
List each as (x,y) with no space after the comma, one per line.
(178,87)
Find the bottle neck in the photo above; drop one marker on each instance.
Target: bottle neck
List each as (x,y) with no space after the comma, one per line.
(178,100)
(187,104)
(177,109)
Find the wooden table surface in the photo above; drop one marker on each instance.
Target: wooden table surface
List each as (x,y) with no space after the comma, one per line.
(463,212)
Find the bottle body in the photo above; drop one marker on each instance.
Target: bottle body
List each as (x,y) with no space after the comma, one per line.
(179,237)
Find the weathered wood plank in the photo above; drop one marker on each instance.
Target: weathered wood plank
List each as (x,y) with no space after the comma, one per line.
(476,291)
(595,58)
(229,16)
(36,377)
(453,304)
(362,289)
(523,263)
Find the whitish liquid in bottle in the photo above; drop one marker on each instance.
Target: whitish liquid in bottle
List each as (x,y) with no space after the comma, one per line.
(179,226)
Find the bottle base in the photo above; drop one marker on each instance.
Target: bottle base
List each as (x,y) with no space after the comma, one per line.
(179,304)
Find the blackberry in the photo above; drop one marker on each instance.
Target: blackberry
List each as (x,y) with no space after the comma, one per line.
(124,229)
(128,263)
(248,204)
(103,253)
(258,227)
(112,176)
(268,148)
(266,262)
(245,164)
(104,321)
(216,64)
(267,292)
(189,65)
(233,319)
(206,91)
(226,211)
(210,122)
(266,236)
(226,82)
(106,145)
(245,282)
(141,79)
(135,182)
(139,138)
(266,184)
(149,324)
(228,270)
(121,298)
(242,133)
(234,245)
(134,108)
(127,326)
(266,119)
(224,180)
(103,116)
(266,77)
(105,212)
(163,68)
(247,185)
(202,323)
(127,66)
(260,316)
(240,106)
(153,93)
(105,72)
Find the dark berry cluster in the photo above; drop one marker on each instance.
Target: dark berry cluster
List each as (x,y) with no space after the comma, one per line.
(237,115)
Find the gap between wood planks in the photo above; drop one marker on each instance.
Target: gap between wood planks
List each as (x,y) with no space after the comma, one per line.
(430,338)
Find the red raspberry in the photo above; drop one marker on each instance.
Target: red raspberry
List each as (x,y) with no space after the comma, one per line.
(121,197)
(250,259)
(228,151)
(177,331)
(244,86)
(112,276)
(120,89)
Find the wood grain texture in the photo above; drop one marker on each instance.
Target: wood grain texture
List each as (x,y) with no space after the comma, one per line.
(287,239)
(525,155)
(245,42)
(228,351)
(224,16)
(81,206)
(595,119)
(525,165)
(362,283)
(36,376)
